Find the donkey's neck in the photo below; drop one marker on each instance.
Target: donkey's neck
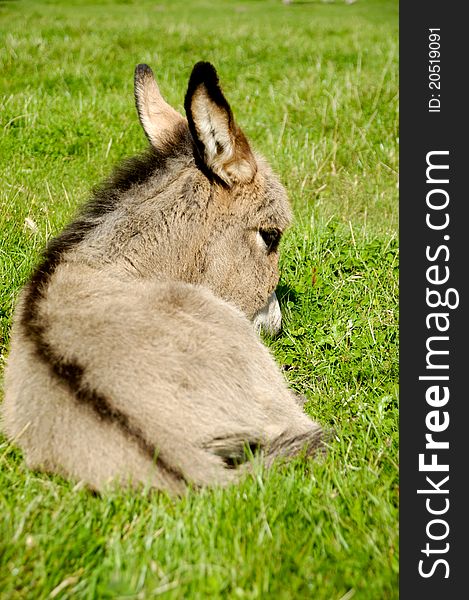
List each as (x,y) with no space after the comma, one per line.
(158,229)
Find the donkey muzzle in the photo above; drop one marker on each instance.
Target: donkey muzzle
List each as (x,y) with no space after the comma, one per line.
(269,318)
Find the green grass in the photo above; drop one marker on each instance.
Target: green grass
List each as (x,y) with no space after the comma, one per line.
(315,87)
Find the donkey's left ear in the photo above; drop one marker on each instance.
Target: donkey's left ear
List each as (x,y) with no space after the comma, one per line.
(221,144)
(157,117)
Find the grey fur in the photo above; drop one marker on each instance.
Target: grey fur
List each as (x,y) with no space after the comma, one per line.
(134,358)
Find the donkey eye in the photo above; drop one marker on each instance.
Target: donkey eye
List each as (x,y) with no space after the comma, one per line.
(271,238)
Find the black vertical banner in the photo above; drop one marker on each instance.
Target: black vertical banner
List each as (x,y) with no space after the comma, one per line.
(434,318)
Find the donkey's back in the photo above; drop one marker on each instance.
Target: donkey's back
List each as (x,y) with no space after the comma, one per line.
(134,354)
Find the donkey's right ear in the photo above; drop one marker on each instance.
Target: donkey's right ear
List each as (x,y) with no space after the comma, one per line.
(219,141)
(157,117)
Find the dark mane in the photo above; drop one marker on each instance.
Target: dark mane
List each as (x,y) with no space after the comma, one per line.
(105,197)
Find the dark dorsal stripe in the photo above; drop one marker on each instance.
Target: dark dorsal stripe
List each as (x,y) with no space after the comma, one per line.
(105,199)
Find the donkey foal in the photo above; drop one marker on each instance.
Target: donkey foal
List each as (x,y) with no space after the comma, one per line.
(134,354)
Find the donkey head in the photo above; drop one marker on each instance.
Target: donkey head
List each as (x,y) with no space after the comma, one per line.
(224,209)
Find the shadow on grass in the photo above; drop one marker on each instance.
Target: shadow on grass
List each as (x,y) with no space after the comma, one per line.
(285,293)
